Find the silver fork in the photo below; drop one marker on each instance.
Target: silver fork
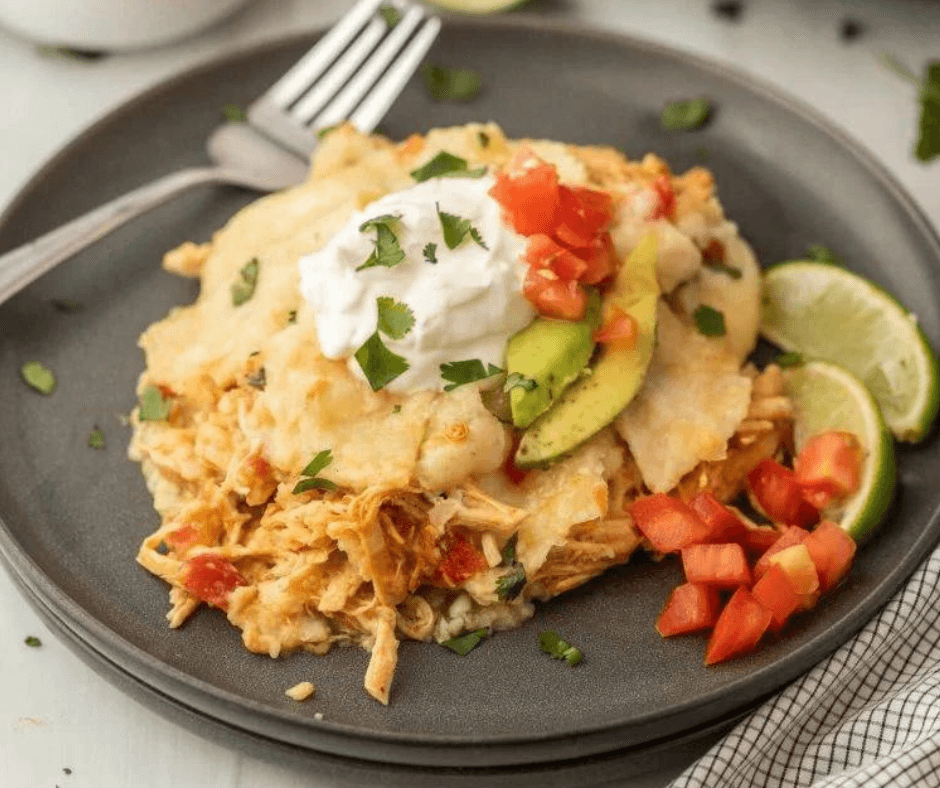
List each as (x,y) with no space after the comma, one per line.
(355,73)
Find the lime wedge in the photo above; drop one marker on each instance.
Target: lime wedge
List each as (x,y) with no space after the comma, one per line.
(476,6)
(827,397)
(825,312)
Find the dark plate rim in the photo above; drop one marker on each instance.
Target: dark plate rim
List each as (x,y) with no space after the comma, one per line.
(794,663)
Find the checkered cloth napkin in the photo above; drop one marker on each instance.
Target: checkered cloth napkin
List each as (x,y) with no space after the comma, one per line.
(866,717)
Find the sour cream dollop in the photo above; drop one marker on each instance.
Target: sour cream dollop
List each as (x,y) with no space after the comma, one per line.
(466,306)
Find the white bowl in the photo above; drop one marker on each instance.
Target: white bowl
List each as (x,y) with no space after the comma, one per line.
(111,24)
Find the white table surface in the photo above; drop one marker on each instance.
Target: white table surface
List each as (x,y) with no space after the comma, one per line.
(55,713)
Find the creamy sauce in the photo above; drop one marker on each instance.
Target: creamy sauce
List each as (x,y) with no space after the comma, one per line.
(466,306)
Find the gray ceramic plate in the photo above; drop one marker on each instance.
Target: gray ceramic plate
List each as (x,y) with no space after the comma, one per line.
(72,517)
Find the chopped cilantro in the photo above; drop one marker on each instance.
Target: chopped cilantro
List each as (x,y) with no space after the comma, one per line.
(823,254)
(458,373)
(32,641)
(244,287)
(379,364)
(555,647)
(508,553)
(292,316)
(310,471)
(685,115)
(396,410)
(71,53)
(786,360)
(453,84)
(322,132)
(430,252)
(96,438)
(38,376)
(456,229)
(445,164)
(395,318)
(516,381)
(387,251)
(464,644)
(390,14)
(483,138)
(154,406)
(510,585)
(709,321)
(66,306)
(234,114)
(928,140)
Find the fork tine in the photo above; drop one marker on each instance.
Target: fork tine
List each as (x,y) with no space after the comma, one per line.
(298,79)
(373,109)
(343,104)
(339,74)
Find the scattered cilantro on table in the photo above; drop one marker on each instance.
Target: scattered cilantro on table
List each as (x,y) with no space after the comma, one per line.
(557,648)
(685,115)
(96,438)
(450,84)
(234,113)
(927,146)
(464,644)
(39,377)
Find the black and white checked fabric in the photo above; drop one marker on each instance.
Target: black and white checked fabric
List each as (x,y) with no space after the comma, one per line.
(866,717)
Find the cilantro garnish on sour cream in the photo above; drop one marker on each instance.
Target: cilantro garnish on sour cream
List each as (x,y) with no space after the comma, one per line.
(387,251)
(379,364)
(456,229)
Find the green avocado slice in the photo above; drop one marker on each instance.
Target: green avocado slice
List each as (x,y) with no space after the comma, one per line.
(594,401)
(551,354)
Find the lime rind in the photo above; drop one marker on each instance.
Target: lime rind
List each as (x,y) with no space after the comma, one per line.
(828,397)
(826,312)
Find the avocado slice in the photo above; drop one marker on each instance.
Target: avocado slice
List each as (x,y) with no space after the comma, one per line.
(552,353)
(596,399)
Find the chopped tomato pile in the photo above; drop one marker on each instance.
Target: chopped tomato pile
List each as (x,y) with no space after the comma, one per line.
(569,245)
(766,574)
(211,578)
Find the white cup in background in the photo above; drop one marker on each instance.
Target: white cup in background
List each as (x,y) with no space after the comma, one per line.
(111,24)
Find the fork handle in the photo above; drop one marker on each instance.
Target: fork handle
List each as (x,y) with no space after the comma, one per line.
(26,263)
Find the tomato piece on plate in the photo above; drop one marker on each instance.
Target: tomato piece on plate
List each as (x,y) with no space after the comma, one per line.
(719,565)
(544,251)
(832,551)
(724,525)
(780,495)
(691,607)
(829,467)
(665,207)
(775,592)
(740,626)
(461,561)
(183,538)
(668,523)
(528,192)
(600,258)
(789,536)
(554,297)
(799,568)
(211,578)
(583,213)
(619,328)
(757,540)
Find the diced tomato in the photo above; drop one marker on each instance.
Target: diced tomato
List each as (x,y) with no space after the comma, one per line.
(554,297)
(600,258)
(723,524)
(668,523)
(583,214)
(719,565)
(690,608)
(739,628)
(780,495)
(543,251)
(461,561)
(829,467)
(758,540)
(619,329)
(665,207)
(788,537)
(776,593)
(183,538)
(211,578)
(528,192)
(799,568)
(832,551)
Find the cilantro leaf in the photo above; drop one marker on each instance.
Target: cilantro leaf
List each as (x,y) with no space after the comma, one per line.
(464,644)
(395,318)
(458,373)
(32,641)
(234,113)
(555,647)
(709,321)
(387,251)
(153,405)
(823,254)
(454,84)
(379,364)
(685,115)
(787,360)
(456,229)
(517,381)
(483,138)
(928,143)
(430,252)
(292,316)
(324,130)
(445,164)
(510,585)
(317,464)
(38,376)
(244,287)
(508,553)
(96,438)
(390,15)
